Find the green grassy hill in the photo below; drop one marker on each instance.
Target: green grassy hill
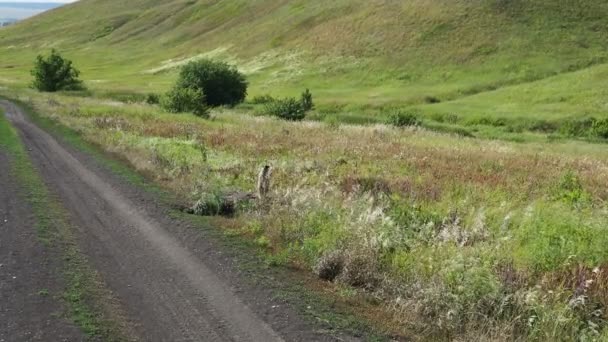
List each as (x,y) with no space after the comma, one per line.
(436,237)
(355,55)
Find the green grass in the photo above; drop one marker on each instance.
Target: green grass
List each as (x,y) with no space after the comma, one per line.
(82,289)
(546,58)
(464,225)
(453,236)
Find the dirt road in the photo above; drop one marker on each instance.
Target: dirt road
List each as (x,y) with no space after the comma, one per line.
(30,275)
(173,283)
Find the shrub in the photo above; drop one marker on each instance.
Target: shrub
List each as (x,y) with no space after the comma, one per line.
(431,99)
(152,99)
(181,100)
(577,127)
(208,205)
(54,73)
(288,109)
(263,99)
(329,266)
(600,128)
(221,83)
(306,99)
(403,119)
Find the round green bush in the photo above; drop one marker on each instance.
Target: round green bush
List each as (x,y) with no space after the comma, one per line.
(403,119)
(600,128)
(221,83)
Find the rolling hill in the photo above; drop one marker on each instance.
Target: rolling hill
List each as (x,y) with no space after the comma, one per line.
(427,234)
(355,55)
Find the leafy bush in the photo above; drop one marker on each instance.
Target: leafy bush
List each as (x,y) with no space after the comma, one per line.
(181,100)
(288,109)
(600,128)
(306,99)
(263,99)
(152,98)
(221,83)
(577,127)
(403,119)
(54,73)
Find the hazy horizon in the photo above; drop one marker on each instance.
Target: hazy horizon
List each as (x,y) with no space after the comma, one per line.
(24,9)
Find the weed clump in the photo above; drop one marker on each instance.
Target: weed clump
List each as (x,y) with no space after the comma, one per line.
(329,266)
(570,189)
(287,109)
(360,270)
(262,99)
(403,119)
(213,204)
(600,128)
(152,99)
(431,99)
(185,100)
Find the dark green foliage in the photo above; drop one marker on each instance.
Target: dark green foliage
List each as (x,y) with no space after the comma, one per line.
(263,99)
(306,99)
(600,128)
(586,127)
(221,83)
(543,126)
(182,100)
(577,127)
(54,73)
(152,99)
(287,109)
(431,99)
(403,119)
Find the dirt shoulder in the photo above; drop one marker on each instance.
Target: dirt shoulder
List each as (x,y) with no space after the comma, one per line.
(175,283)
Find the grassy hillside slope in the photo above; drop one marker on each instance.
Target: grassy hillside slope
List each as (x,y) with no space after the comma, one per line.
(440,236)
(353,54)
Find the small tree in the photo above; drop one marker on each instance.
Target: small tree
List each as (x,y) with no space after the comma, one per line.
(54,73)
(182,100)
(221,83)
(306,99)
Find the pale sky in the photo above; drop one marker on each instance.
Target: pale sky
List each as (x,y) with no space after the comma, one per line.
(60,1)
(10,10)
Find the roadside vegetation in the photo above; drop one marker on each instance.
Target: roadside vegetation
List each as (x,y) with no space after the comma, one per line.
(453,237)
